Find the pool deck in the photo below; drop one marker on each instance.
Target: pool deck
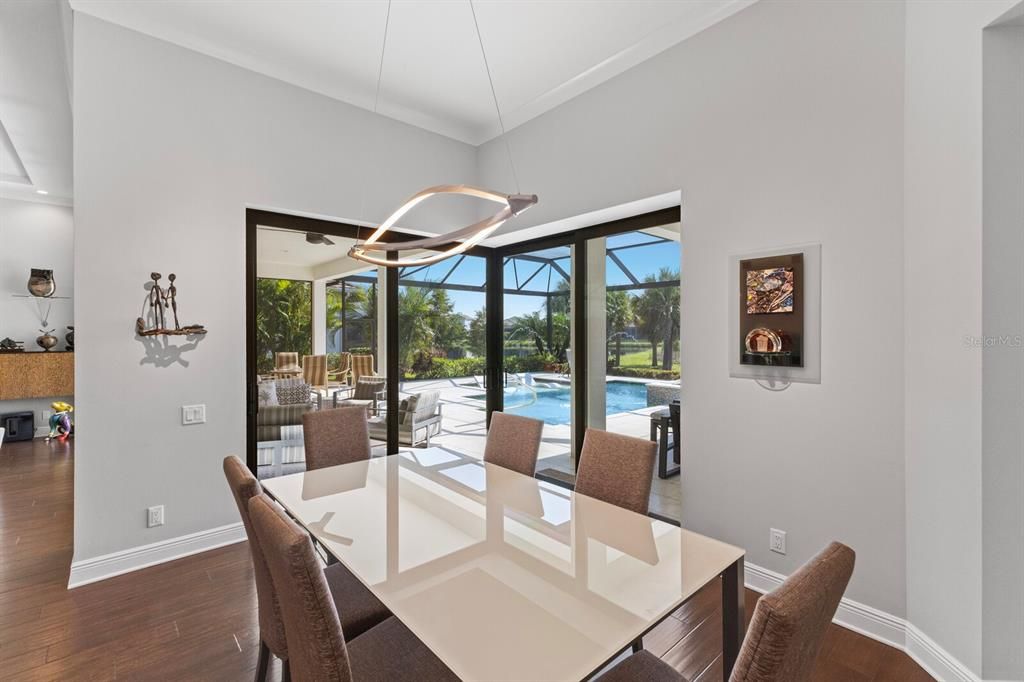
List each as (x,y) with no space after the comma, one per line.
(464,429)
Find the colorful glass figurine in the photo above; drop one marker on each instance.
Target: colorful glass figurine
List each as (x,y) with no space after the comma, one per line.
(61,424)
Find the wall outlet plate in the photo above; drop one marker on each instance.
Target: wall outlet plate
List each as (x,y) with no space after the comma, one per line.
(155,516)
(777,540)
(193,414)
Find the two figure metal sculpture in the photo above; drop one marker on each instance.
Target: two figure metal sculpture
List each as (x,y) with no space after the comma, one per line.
(159,300)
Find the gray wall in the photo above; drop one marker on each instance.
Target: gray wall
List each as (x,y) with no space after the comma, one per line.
(943,303)
(170,148)
(1003,353)
(781,125)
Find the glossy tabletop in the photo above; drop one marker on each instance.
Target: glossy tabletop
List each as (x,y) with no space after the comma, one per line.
(503,576)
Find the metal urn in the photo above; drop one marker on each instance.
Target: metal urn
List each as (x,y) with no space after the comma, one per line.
(47,340)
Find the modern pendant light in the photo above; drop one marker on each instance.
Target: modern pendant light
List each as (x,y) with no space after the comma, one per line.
(512,204)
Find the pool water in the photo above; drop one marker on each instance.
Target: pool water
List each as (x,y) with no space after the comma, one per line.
(552,404)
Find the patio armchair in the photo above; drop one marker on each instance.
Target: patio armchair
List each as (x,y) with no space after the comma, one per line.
(342,375)
(362,366)
(286,365)
(419,418)
(369,392)
(314,372)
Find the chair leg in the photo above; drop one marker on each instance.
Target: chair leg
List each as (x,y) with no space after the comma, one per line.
(638,645)
(286,671)
(264,662)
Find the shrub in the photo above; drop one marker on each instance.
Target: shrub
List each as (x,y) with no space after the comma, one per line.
(645,373)
(443,368)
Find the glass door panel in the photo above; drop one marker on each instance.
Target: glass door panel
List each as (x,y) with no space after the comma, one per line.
(537,347)
(442,351)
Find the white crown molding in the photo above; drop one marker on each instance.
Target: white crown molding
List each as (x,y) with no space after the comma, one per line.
(128,560)
(880,626)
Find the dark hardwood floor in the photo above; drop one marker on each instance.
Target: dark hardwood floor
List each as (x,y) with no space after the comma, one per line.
(195,618)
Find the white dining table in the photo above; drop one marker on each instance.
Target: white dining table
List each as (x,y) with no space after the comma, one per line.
(503,576)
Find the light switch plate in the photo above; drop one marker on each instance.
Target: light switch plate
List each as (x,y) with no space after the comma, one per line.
(193,414)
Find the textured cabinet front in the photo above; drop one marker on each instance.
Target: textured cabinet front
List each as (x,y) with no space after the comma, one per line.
(36,375)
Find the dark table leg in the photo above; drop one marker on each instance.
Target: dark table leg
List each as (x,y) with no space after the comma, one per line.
(734,619)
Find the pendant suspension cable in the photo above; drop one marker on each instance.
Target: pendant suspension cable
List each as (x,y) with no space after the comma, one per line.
(494,95)
(376,101)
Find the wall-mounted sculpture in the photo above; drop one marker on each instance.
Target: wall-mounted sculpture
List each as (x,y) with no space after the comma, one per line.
(159,301)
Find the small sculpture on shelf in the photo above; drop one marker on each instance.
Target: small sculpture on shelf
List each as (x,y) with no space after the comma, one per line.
(62,426)
(40,283)
(69,338)
(159,300)
(46,340)
(9,345)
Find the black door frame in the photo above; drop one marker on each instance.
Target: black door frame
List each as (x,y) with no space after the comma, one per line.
(286,221)
(578,239)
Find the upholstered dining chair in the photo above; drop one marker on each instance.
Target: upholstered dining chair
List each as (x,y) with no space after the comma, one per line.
(617,469)
(313,623)
(336,436)
(513,442)
(360,609)
(314,371)
(785,634)
(287,365)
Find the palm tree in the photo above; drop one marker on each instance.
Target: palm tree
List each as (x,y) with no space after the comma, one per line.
(283,319)
(619,315)
(658,309)
(415,328)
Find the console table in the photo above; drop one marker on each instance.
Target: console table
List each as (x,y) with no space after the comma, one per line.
(37,375)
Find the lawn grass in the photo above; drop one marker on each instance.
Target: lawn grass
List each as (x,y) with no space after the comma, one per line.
(641,359)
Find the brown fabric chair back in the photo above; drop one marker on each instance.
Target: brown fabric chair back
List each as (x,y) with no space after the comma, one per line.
(513,442)
(790,622)
(617,469)
(362,366)
(286,361)
(337,436)
(316,644)
(244,486)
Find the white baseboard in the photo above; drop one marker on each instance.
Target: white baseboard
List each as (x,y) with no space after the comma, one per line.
(881,626)
(938,662)
(128,560)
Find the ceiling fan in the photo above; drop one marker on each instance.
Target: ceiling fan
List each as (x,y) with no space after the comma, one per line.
(317,238)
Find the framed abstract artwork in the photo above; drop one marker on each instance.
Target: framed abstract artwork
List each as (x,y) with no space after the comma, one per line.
(775,316)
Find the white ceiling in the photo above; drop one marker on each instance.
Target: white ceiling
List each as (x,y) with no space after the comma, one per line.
(541,52)
(286,247)
(35,105)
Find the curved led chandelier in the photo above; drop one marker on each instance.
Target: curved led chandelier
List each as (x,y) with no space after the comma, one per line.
(513,205)
(459,240)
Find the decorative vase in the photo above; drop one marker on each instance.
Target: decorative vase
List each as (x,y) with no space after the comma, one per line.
(47,340)
(70,337)
(40,283)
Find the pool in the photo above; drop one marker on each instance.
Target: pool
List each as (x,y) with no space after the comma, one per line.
(552,404)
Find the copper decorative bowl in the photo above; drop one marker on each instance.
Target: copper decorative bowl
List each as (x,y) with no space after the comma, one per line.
(764,340)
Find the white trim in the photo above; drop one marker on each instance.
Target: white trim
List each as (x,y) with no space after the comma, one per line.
(128,560)
(880,626)
(936,661)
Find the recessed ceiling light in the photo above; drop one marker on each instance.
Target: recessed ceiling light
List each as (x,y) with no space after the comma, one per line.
(41,191)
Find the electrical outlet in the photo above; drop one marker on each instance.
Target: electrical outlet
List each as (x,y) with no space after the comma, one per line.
(155,516)
(777,540)
(193,414)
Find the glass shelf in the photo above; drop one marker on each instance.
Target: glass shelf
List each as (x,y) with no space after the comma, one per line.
(42,298)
